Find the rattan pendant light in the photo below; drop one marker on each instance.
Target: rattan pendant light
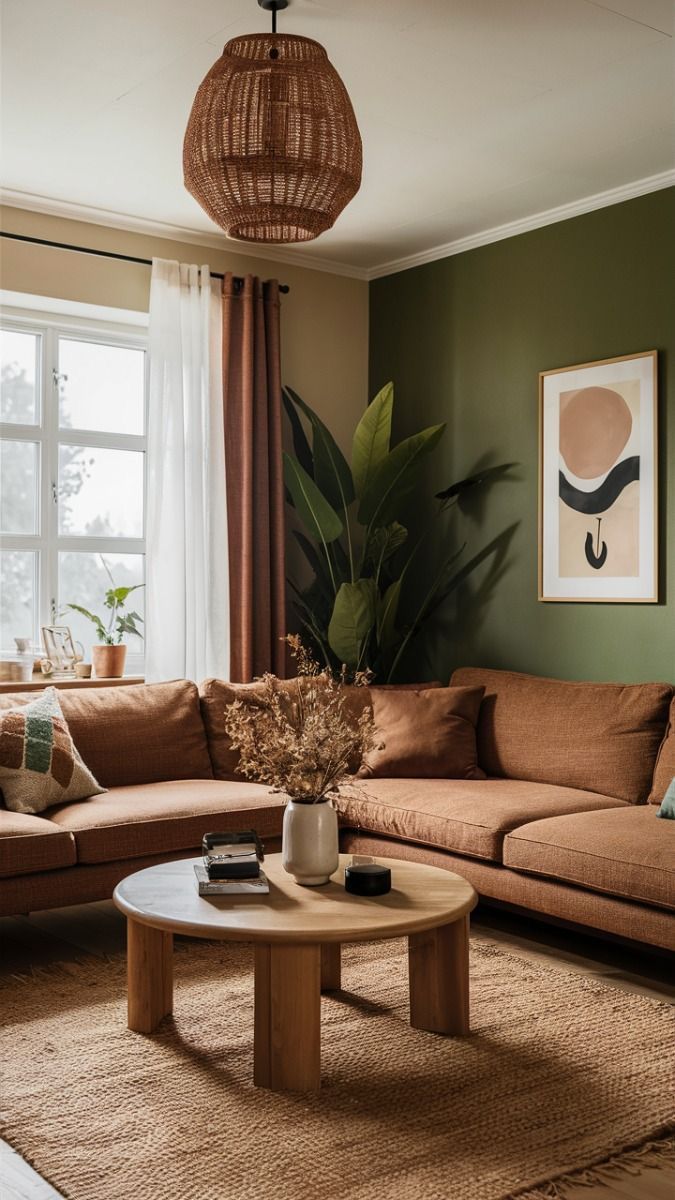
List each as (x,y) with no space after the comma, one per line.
(272,149)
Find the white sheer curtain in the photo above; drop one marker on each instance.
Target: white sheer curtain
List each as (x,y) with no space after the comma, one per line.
(187,602)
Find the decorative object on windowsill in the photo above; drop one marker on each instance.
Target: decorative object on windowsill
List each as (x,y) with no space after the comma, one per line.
(369,597)
(16,670)
(272,150)
(301,739)
(60,649)
(109,656)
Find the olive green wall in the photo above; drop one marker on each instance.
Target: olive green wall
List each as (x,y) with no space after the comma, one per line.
(464,339)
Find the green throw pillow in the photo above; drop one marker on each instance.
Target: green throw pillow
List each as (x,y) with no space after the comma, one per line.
(667,808)
(39,765)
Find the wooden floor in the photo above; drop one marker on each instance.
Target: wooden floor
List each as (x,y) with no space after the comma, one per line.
(68,934)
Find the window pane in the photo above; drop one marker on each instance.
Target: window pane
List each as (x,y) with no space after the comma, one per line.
(84,580)
(18,486)
(18,592)
(100,492)
(19,388)
(101,387)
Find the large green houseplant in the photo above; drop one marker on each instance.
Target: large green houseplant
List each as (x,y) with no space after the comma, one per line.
(360,552)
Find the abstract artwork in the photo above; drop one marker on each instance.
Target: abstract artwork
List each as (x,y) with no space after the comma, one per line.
(597,481)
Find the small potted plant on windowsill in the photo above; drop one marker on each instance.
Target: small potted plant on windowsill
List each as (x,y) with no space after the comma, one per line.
(109,656)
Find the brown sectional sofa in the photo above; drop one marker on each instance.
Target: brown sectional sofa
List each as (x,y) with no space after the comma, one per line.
(561,826)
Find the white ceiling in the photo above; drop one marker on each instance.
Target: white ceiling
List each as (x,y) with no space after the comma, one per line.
(474,113)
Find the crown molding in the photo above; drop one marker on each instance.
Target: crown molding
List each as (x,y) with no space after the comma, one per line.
(627,191)
(177,233)
(144,225)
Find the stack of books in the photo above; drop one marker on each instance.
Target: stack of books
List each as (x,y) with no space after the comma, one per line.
(231,865)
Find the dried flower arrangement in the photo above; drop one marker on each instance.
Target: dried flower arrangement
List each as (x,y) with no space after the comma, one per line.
(298,735)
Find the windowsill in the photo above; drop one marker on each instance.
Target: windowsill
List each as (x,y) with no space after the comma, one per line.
(37,685)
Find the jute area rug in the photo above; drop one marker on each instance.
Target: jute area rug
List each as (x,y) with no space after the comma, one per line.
(559,1075)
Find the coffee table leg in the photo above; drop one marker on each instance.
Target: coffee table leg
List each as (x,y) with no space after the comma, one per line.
(149,976)
(438,962)
(331,967)
(287,1036)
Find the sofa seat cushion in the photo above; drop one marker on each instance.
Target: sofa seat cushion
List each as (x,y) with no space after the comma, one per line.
(627,852)
(30,844)
(469,817)
(158,818)
(600,737)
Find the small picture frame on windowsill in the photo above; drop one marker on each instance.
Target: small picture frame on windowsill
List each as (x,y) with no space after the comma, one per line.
(59,647)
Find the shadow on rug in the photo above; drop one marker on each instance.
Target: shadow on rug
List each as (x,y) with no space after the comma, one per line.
(560,1074)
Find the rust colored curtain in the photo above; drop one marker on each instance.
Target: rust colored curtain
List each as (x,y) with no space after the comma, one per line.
(253,465)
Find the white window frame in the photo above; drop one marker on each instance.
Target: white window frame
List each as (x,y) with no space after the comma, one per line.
(47,542)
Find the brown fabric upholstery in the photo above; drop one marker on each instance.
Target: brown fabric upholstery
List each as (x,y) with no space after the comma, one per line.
(629,852)
(254,473)
(83,883)
(160,818)
(601,737)
(214,697)
(216,694)
(470,817)
(142,734)
(531,893)
(29,843)
(428,734)
(664,771)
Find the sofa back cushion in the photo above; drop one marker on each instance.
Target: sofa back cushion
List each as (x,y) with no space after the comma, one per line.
(601,737)
(426,734)
(664,771)
(216,694)
(145,733)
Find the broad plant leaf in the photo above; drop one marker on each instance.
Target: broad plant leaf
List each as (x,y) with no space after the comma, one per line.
(352,620)
(384,542)
(395,476)
(115,597)
(318,516)
(386,615)
(331,469)
(317,563)
(372,436)
(301,446)
(465,485)
(127,624)
(100,627)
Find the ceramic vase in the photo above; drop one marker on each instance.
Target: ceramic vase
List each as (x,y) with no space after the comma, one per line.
(309,843)
(108,661)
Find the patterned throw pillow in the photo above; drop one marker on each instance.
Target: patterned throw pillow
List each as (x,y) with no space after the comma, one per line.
(39,765)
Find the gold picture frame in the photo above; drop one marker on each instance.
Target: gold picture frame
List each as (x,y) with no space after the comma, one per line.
(598,481)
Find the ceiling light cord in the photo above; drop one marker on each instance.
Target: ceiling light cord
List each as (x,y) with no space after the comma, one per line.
(273,6)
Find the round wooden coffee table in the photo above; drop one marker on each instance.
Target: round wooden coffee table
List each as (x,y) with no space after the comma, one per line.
(297,933)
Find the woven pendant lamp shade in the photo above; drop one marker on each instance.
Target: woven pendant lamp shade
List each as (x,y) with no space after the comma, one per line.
(272,150)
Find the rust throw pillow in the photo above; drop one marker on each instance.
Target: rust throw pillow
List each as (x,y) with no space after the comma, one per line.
(430,734)
(39,765)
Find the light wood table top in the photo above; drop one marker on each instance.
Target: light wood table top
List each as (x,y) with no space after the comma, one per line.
(421,898)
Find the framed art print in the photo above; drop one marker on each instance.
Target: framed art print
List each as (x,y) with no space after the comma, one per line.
(598,481)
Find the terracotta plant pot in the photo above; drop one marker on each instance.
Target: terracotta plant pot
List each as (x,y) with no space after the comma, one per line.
(108,661)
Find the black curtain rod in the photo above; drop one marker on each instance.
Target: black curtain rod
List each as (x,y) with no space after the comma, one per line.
(145,262)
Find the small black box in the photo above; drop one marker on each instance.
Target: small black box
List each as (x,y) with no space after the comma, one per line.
(367,879)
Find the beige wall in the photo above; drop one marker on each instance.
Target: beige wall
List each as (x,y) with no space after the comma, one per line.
(324,318)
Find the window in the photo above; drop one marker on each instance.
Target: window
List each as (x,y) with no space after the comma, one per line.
(72,474)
